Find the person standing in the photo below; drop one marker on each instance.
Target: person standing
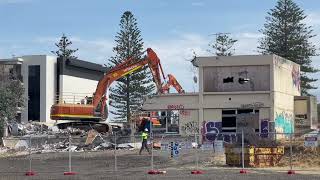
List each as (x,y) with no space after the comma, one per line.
(144,144)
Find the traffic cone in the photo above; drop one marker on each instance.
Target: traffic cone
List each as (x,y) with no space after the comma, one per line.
(197,172)
(30,173)
(243,171)
(69,173)
(291,172)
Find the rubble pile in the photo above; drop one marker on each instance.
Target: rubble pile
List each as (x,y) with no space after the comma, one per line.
(34,128)
(46,139)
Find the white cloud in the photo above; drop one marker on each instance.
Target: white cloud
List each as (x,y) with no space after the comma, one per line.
(313,19)
(176,54)
(247,43)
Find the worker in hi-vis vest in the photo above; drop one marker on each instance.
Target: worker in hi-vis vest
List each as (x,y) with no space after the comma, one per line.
(144,137)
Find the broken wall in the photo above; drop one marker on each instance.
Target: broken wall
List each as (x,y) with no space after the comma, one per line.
(226,78)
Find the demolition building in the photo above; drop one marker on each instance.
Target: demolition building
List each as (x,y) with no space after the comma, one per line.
(256,92)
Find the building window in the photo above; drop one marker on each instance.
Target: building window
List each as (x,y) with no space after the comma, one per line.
(165,121)
(34,93)
(229,118)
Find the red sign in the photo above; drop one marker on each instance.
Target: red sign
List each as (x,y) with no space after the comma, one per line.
(175,106)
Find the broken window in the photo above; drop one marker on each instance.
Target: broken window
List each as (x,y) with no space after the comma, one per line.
(229,122)
(228,80)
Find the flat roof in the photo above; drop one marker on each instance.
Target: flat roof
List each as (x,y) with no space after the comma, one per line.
(11,61)
(239,60)
(86,65)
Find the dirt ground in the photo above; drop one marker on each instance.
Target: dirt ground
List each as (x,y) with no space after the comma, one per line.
(130,165)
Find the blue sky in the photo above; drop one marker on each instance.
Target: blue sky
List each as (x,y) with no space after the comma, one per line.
(172,28)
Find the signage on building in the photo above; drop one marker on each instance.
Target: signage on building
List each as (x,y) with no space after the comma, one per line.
(311,141)
(175,106)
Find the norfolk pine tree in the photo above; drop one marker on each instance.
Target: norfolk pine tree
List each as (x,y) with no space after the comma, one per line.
(223,45)
(126,96)
(286,35)
(64,48)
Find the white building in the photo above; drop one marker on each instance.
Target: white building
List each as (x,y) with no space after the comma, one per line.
(48,79)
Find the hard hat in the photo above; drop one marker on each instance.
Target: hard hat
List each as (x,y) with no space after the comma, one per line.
(146,129)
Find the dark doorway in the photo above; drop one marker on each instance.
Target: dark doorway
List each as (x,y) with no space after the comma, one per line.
(34,93)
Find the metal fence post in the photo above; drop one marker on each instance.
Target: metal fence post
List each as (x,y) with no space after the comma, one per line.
(30,163)
(197,157)
(70,153)
(242,171)
(197,171)
(290,160)
(30,172)
(70,172)
(115,152)
(152,167)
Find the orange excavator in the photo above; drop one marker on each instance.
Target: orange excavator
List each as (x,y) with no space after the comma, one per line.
(96,111)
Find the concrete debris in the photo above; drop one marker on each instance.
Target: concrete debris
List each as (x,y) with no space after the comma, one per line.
(47,138)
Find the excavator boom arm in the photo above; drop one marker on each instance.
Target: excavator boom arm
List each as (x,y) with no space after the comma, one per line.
(127,67)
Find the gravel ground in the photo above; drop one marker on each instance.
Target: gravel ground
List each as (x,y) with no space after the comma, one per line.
(100,165)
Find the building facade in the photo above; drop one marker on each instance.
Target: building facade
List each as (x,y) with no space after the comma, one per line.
(48,80)
(252,91)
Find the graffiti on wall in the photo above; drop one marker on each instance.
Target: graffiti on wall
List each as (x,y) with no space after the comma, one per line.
(296,76)
(184,112)
(284,122)
(211,130)
(190,128)
(252,105)
(175,106)
(264,128)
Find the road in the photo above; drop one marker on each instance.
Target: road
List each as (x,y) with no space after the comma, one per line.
(100,165)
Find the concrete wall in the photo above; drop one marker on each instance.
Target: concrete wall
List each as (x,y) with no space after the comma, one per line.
(226,79)
(172,101)
(237,100)
(286,85)
(188,122)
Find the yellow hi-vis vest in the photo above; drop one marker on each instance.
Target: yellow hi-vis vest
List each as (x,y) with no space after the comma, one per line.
(144,136)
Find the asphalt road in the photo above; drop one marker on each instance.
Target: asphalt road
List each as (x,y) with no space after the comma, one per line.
(100,165)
